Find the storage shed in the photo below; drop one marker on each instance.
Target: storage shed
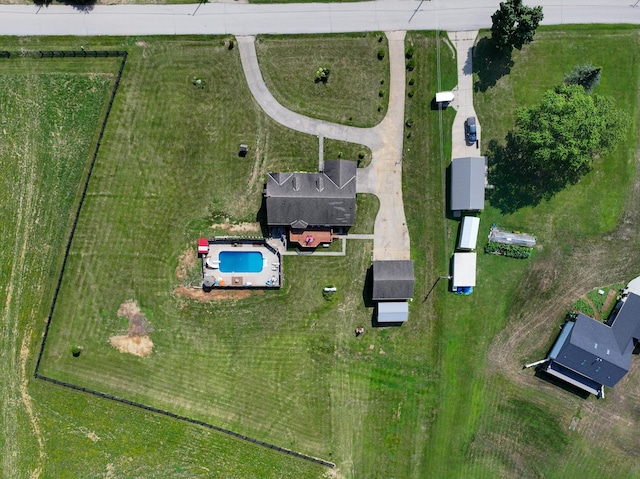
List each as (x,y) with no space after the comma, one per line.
(469,233)
(464,270)
(393,312)
(393,280)
(468,177)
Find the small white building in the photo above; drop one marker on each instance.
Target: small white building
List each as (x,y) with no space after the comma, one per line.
(469,233)
(464,271)
(393,312)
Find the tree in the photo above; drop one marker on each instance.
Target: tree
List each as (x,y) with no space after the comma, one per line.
(552,145)
(587,76)
(514,24)
(560,137)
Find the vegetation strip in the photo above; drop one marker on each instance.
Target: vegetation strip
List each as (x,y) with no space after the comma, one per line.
(189,420)
(37,375)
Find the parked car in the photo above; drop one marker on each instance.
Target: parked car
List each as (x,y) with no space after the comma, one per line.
(470,130)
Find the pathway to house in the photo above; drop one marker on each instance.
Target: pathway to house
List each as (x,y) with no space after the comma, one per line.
(383,177)
(463,101)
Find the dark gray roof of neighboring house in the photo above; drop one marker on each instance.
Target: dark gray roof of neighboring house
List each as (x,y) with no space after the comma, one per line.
(299,200)
(592,351)
(599,352)
(467,183)
(393,280)
(626,324)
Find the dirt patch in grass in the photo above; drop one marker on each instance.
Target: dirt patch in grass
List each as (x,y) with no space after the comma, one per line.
(238,228)
(137,341)
(214,295)
(136,345)
(186,263)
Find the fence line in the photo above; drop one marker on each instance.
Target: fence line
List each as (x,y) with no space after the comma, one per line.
(36,374)
(124,55)
(197,422)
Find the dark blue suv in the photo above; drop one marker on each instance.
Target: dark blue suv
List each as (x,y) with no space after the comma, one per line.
(470,129)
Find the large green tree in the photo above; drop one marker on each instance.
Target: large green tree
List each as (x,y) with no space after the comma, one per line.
(561,136)
(514,24)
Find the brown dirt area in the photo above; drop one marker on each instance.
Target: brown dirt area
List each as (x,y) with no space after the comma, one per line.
(136,345)
(137,341)
(214,295)
(237,228)
(186,262)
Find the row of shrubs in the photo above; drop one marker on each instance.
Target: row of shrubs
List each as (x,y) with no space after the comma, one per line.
(509,250)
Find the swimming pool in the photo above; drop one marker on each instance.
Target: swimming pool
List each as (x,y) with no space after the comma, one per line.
(240,261)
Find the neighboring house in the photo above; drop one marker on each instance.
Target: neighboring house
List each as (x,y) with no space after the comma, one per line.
(590,354)
(313,200)
(468,180)
(393,280)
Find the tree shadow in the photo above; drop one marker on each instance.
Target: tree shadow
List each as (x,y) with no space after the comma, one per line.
(82,5)
(518,180)
(490,63)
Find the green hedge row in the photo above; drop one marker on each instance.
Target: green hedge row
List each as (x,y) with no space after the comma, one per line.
(512,251)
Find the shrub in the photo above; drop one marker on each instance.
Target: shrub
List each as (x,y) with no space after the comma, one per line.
(411,81)
(509,250)
(411,65)
(410,94)
(380,38)
(409,53)
(381,54)
(76,351)
(381,93)
(322,75)
(361,155)
(230,47)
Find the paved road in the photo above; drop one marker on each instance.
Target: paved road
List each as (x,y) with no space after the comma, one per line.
(250,19)
(383,177)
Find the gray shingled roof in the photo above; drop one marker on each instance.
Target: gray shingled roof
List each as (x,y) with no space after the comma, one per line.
(599,352)
(393,280)
(313,199)
(467,183)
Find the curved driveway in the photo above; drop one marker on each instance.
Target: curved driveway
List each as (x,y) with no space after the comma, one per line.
(383,177)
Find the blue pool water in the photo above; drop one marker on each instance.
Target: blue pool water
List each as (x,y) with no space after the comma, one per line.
(240,261)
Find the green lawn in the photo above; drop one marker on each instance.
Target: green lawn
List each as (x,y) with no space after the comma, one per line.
(357,78)
(442,396)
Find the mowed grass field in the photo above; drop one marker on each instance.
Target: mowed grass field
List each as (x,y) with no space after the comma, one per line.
(51,113)
(285,366)
(442,396)
(357,89)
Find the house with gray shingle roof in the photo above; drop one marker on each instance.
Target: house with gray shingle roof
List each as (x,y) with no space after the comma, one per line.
(306,200)
(590,355)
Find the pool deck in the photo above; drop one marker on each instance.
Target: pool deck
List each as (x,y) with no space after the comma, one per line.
(269,277)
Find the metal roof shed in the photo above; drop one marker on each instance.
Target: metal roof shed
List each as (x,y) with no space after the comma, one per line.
(467,183)
(393,312)
(469,233)
(464,270)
